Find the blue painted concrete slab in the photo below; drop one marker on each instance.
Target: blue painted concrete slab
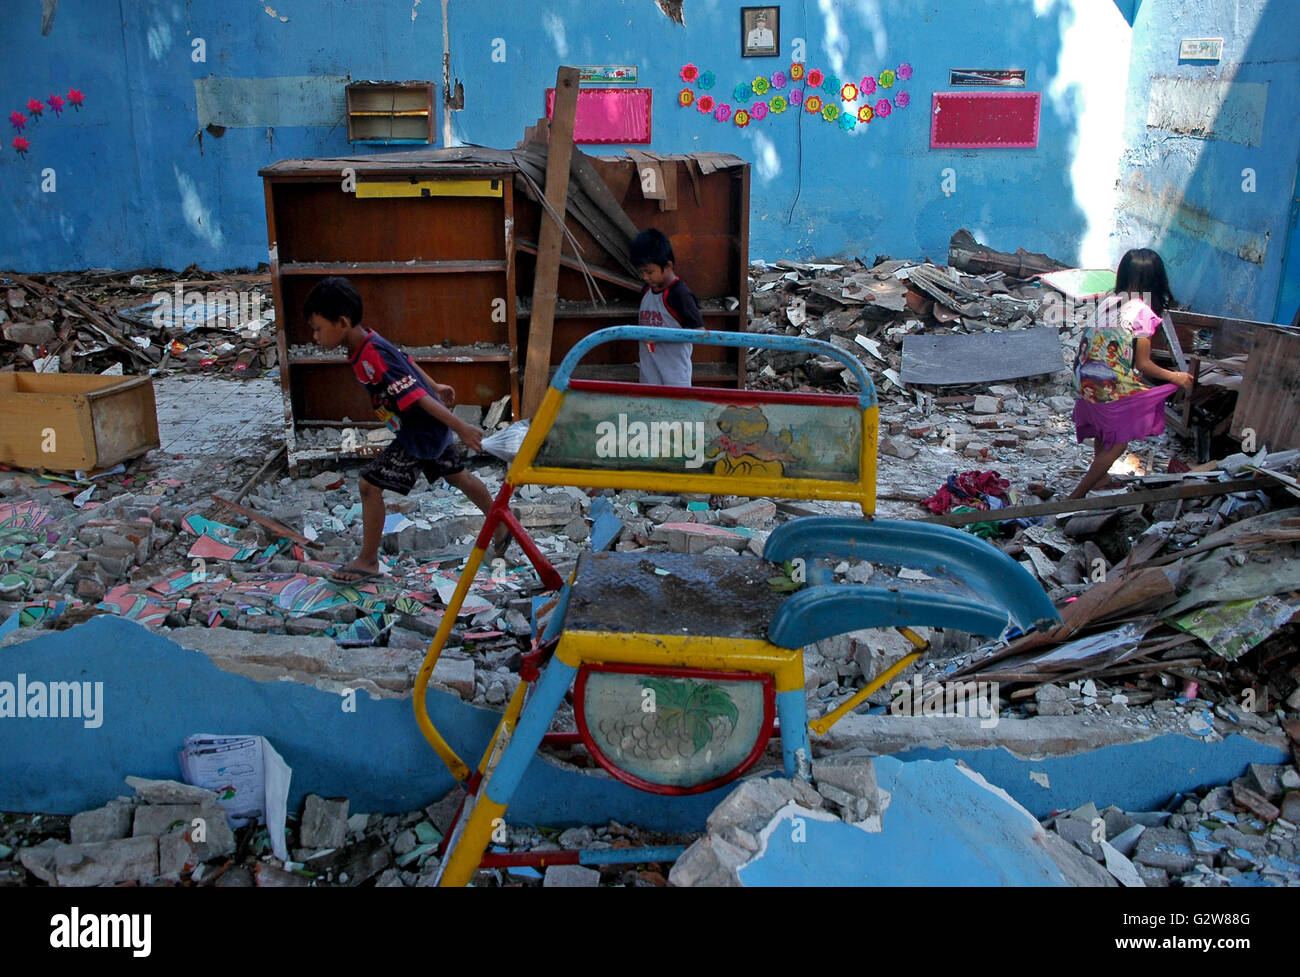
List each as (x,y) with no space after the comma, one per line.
(1134,776)
(156,693)
(942,827)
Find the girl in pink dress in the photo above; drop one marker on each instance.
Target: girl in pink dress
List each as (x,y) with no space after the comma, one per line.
(1114,407)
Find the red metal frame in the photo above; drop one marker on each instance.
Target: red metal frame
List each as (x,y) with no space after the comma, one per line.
(717,394)
(760,742)
(500,512)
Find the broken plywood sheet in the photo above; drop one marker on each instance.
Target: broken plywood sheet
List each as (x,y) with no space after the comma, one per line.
(981,357)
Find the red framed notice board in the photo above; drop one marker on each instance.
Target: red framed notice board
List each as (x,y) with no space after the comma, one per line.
(609,115)
(984,120)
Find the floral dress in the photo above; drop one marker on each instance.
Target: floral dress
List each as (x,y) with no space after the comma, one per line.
(1114,404)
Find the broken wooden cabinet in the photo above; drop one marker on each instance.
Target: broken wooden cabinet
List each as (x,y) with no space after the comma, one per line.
(428,244)
(74,421)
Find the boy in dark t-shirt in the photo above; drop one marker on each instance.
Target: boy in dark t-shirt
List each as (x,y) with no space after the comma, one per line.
(411,404)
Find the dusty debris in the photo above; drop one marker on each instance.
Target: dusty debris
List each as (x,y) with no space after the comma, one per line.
(1228,835)
(142,322)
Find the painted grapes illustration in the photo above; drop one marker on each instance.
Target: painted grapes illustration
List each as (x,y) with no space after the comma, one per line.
(688,716)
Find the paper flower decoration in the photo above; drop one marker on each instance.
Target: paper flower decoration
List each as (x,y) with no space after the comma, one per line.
(815,78)
(35,106)
(18,120)
(778,80)
(849,92)
(902,100)
(759,112)
(796,71)
(704,104)
(760,85)
(707,81)
(742,93)
(685,97)
(56,103)
(690,73)
(905,72)
(865,114)
(848,121)
(830,111)
(883,108)
(741,118)
(21,144)
(778,104)
(723,112)
(796,96)
(831,86)
(76,98)
(813,104)
(868,85)
(886,79)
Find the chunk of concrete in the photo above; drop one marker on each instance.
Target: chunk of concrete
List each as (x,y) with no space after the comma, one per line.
(711,861)
(754,801)
(168,791)
(1125,871)
(752,515)
(1078,832)
(849,782)
(692,537)
(456,674)
(570,877)
(159,819)
(107,823)
(39,859)
(1167,849)
(324,822)
(205,827)
(107,862)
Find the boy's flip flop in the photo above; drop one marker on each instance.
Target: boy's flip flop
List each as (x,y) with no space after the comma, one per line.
(358,576)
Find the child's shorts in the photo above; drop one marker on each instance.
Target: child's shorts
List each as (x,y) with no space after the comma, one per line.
(667,365)
(397,471)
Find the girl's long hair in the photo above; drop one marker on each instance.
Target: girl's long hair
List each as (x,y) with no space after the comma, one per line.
(1142,276)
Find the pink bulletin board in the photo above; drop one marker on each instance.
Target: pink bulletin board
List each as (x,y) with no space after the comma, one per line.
(984,120)
(609,115)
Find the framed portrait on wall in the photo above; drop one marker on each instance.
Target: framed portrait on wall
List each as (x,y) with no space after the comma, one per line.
(760,32)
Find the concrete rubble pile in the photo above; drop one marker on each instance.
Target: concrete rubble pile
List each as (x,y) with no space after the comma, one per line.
(1238,834)
(1176,613)
(137,323)
(172,834)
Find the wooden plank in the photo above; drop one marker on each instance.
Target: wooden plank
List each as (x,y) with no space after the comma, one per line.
(669,171)
(598,272)
(279,528)
(546,278)
(582,171)
(512,321)
(608,234)
(1104,502)
(1267,402)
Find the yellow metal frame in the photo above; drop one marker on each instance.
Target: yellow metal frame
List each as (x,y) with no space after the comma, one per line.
(861,491)
(785,665)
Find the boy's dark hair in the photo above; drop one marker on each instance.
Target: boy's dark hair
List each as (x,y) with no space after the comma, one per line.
(1141,273)
(651,247)
(332,299)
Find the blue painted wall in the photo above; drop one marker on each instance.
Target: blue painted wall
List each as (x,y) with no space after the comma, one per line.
(1187,195)
(137,187)
(128,160)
